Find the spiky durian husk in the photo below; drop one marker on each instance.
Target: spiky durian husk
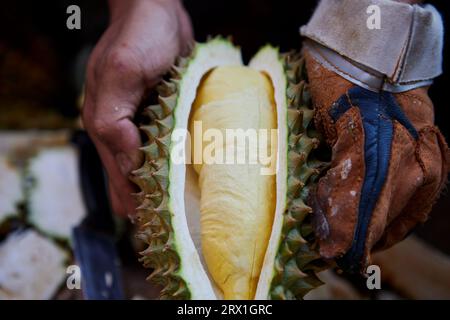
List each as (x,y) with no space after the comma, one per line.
(297,261)
(153,214)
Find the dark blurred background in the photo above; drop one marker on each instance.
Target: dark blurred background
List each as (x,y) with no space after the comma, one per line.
(35,33)
(42,62)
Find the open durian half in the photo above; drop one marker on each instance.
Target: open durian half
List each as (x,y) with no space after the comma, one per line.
(225,230)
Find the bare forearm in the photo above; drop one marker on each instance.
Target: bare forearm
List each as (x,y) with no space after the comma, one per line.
(140,44)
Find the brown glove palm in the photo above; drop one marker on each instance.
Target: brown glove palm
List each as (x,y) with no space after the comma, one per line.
(389,164)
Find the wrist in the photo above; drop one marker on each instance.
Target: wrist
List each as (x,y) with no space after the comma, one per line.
(404,48)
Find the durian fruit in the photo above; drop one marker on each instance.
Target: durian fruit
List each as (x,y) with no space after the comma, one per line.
(32,267)
(228,231)
(54,200)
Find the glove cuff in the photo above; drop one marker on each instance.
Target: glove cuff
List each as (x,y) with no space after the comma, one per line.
(404,53)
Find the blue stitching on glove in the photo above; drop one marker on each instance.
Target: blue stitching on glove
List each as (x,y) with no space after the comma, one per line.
(378,112)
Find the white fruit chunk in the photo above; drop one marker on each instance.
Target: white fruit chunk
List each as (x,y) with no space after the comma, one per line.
(31,267)
(55,202)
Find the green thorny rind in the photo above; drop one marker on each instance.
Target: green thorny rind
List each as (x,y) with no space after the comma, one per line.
(297,262)
(153,214)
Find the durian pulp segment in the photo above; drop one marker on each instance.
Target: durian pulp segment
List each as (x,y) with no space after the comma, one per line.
(237,202)
(32,267)
(55,200)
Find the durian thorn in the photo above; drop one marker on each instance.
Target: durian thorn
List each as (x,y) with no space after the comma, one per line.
(165,123)
(143,206)
(150,150)
(147,231)
(176,71)
(289,223)
(288,56)
(154,195)
(169,287)
(138,196)
(279,266)
(296,161)
(160,178)
(182,61)
(166,88)
(164,142)
(180,290)
(153,111)
(150,131)
(278,293)
(141,236)
(297,68)
(171,269)
(155,272)
(293,271)
(305,173)
(294,186)
(295,120)
(151,250)
(300,212)
(168,103)
(159,234)
(163,205)
(286,252)
(295,94)
(294,140)
(176,82)
(153,163)
(295,239)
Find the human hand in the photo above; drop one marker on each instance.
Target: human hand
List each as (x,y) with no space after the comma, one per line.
(389,164)
(140,44)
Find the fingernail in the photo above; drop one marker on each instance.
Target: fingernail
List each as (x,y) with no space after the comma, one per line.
(124,162)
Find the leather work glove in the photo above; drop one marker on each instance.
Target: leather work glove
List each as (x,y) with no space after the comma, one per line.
(389,164)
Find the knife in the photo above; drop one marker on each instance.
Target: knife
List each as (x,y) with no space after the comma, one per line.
(93,239)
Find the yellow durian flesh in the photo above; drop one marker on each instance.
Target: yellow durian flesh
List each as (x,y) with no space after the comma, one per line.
(237,202)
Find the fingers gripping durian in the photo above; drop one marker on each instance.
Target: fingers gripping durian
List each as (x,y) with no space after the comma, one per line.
(228,231)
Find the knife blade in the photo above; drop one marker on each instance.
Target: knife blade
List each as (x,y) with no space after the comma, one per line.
(93,239)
